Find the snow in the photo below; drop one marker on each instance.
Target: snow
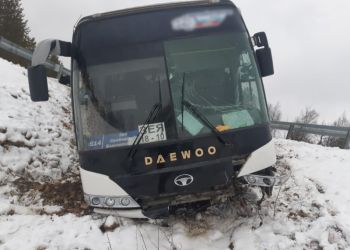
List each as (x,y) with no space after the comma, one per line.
(38,132)
(312,209)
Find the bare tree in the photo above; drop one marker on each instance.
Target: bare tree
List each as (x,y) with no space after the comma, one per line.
(330,141)
(307,116)
(275,113)
(342,121)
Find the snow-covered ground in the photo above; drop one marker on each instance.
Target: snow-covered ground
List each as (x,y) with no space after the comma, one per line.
(38,173)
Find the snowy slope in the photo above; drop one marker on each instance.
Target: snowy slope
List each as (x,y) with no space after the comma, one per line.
(38,161)
(39,132)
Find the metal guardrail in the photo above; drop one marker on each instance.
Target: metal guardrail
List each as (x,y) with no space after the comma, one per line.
(27,54)
(323,130)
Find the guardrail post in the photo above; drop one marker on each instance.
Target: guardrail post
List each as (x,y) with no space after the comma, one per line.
(290,131)
(347,141)
(60,71)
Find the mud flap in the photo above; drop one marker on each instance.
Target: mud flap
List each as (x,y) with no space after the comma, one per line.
(157,212)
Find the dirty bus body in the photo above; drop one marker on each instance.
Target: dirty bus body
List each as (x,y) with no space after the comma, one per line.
(169,106)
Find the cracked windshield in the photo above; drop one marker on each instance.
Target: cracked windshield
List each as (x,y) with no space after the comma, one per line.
(183,87)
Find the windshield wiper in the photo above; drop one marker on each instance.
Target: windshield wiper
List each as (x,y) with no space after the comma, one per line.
(150,119)
(182,100)
(206,122)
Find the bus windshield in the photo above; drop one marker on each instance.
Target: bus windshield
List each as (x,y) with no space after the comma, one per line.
(215,74)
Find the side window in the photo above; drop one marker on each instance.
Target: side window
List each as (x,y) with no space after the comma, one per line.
(248,82)
(251,87)
(250,95)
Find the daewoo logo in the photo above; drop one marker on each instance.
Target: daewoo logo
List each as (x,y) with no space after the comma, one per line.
(183,180)
(182,155)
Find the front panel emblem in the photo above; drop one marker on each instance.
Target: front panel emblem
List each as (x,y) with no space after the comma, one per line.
(183,180)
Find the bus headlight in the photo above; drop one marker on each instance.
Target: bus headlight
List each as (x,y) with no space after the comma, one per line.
(125,201)
(265,181)
(251,179)
(111,202)
(95,201)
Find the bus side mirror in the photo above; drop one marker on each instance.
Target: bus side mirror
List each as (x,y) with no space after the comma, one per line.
(37,73)
(263,54)
(265,61)
(38,83)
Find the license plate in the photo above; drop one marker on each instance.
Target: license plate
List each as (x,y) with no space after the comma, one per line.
(154,132)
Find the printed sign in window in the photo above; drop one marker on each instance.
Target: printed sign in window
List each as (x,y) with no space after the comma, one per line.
(154,132)
(111,140)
